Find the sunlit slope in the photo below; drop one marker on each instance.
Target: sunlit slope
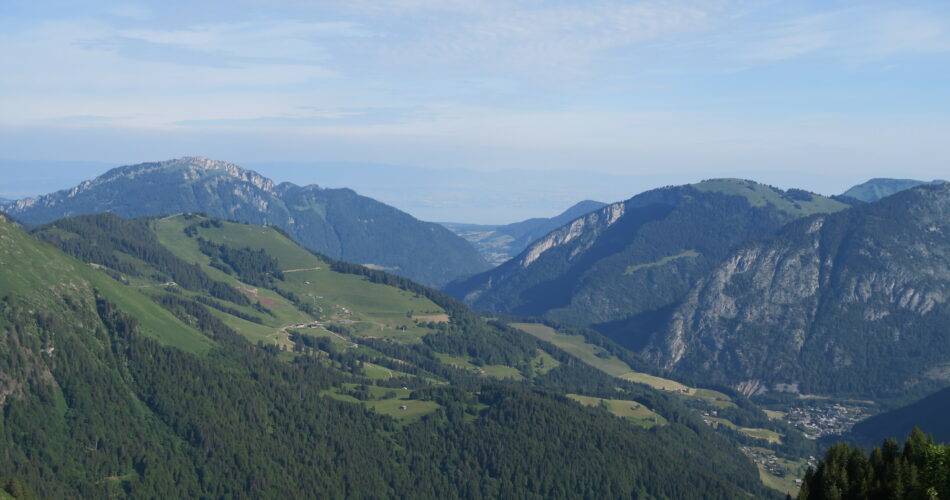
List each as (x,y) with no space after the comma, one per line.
(363,307)
(45,277)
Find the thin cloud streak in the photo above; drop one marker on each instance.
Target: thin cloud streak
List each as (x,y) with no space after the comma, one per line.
(607,85)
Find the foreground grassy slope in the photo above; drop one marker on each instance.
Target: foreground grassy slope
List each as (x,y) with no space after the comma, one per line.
(42,275)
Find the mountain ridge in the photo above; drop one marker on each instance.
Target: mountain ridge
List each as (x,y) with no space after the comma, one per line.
(498,243)
(882,187)
(635,256)
(337,222)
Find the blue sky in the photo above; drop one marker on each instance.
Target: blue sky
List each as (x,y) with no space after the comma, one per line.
(819,95)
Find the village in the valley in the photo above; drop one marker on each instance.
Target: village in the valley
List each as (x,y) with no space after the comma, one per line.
(830,420)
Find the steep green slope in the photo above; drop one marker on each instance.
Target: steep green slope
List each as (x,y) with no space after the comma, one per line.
(500,243)
(850,303)
(335,222)
(621,267)
(44,277)
(257,420)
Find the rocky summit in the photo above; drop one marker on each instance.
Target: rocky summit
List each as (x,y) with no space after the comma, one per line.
(336,222)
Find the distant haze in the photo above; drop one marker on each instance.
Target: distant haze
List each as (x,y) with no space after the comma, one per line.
(643,93)
(433,194)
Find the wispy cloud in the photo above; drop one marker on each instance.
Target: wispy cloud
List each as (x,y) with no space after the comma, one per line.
(853,35)
(606,83)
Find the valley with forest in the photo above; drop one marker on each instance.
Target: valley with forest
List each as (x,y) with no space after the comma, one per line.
(451,250)
(163,353)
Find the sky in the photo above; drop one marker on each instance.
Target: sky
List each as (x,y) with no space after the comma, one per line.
(544,103)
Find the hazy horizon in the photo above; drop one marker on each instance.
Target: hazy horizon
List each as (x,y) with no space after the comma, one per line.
(599,99)
(438,195)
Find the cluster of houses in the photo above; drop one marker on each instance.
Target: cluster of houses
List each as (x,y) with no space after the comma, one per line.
(819,421)
(306,325)
(772,463)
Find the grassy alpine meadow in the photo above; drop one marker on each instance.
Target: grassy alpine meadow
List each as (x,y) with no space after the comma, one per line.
(578,346)
(597,357)
(363,308)
(26,262)
(631,410)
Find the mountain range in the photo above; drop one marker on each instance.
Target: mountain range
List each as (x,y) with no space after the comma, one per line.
(336,222)
(748,286)
(628,260)
(500,243)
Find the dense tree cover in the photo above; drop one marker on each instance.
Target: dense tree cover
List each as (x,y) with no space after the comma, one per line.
(93,409)
(918,470)
(119,244)
(254,267)
(195,314)
(243,424)
(234,312)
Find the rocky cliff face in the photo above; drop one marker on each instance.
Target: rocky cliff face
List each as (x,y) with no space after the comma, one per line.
(500,243)
(847,302)
(336,222)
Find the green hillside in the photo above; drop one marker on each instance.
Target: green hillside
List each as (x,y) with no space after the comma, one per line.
(42,276)
(794,202)
(917,469)
(344,300)
(300,408)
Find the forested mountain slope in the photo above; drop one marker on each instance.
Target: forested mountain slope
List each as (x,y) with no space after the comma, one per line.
(335,222)
(917,469)
(852,302)
(500,243)
(142,373)
(635,257)
(930,414)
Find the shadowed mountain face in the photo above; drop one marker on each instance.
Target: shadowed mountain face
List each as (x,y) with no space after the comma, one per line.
(500,243)
(875,189)
(621,264)
(929,413)
(851,302)
(336,222)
